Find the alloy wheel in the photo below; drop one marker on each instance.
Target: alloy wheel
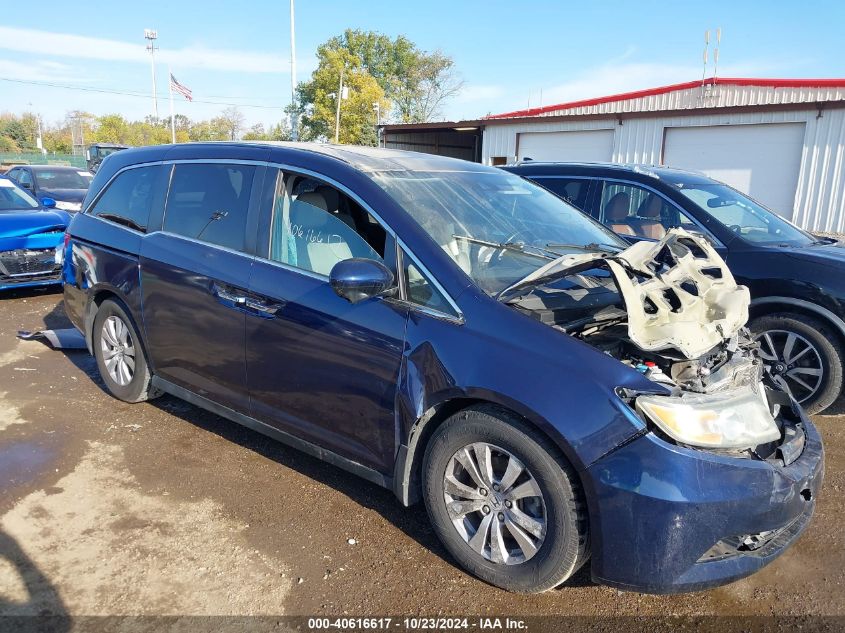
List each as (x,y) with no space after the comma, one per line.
(495,503)
(118,350)
(793,361)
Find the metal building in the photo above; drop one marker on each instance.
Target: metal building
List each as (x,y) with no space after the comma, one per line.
(780,140)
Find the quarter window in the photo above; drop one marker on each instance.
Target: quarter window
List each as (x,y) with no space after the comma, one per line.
(422,292)
(209,202)
(127,200)
(315,226)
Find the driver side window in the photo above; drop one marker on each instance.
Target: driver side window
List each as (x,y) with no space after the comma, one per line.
(315,226)
(628,209)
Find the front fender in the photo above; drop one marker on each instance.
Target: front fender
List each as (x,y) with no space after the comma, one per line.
(564,388)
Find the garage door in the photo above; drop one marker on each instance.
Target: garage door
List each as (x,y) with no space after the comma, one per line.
(584,145)
(760,160)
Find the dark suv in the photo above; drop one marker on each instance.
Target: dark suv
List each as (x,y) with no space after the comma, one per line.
(452,332)
(797,280)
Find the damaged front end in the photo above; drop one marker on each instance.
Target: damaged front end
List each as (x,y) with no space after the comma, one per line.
(672,311)
(28,243)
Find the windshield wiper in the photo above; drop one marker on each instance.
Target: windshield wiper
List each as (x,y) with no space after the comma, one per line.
(592,246)
(547,273)
(511,246)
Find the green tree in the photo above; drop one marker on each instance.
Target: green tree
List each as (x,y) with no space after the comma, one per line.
(256,133)
(16,132)
(319,98)
(418,83)
(208,131)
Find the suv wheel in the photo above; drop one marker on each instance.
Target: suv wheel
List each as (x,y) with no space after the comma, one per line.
(119,353)
(503,503)
(803,356)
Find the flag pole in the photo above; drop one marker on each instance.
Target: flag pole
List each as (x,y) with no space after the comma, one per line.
(172,116)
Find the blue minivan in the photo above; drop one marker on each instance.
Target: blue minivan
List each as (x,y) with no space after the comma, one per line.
(462,337)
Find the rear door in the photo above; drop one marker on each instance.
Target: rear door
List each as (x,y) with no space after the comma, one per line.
(194,276)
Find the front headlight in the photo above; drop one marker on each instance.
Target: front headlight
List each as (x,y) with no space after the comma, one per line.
(68,206)
(738,418)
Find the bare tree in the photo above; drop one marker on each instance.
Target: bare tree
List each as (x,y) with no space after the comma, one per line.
(233,121)
(431,81)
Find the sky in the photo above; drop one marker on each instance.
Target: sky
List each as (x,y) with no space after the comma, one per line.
(509,54)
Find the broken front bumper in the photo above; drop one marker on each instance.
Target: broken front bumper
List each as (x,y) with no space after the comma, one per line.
(667,519)
(22,268)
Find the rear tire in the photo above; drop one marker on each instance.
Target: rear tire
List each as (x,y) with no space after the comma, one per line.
(812,369)
(120,353)
(554,543)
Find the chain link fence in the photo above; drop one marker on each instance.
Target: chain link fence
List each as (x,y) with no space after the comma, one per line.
(7,159)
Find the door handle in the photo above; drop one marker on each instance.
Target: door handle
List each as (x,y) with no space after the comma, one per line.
(226,295)
(266,310)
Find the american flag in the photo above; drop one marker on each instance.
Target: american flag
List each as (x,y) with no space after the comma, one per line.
(182,90)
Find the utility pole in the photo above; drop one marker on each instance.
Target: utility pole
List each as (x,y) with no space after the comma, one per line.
(339,99)
(377,108)
(151,36)
(294,123)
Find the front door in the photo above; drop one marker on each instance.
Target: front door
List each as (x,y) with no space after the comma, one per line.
(194,274)
(318,366)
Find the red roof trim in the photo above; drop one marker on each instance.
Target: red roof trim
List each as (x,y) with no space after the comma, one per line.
(771,83)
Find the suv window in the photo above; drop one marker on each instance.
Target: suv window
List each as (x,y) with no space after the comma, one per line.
(421,291)
(209,202)
(573,190)
(128,198)
(315,226)
(629,209)
(24,177)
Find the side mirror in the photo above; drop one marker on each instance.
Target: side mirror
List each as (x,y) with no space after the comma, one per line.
(358,278)
(48,203)
(26,185)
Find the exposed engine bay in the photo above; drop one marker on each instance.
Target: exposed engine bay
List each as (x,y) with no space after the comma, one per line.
(672,311)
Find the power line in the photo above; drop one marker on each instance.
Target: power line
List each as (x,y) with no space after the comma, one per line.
(130,93)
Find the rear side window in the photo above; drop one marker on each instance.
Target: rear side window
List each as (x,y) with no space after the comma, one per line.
(209,202)
(573,190)
(128,198)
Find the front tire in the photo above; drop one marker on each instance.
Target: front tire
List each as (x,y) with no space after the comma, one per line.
(503,502)
(120,354)
(803,355)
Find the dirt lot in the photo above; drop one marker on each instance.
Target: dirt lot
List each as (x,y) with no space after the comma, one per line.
(160,508)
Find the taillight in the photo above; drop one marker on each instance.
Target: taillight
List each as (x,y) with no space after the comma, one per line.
(67,239)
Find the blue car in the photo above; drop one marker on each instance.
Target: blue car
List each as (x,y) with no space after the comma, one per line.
(30,233)
(462,337)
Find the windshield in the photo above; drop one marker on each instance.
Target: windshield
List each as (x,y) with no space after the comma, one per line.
(743,216)
(496,226)
(14,199)
(63,178)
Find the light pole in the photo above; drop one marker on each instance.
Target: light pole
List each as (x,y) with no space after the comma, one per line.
(340,97)
(151,36)
(377,108)
(294,132)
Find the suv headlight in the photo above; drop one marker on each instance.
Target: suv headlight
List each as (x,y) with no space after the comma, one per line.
(738,418)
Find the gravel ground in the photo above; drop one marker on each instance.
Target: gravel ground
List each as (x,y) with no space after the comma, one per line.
(161,508)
